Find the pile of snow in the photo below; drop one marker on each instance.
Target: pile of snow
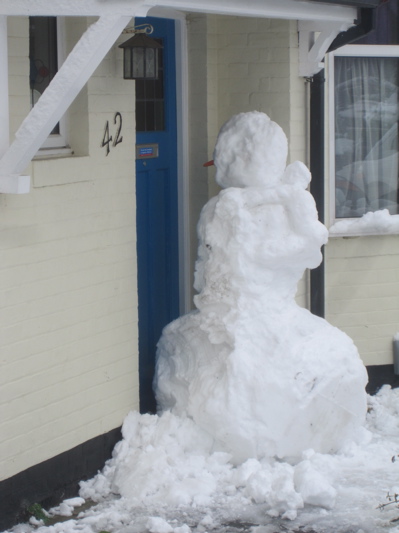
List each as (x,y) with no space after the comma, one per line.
(167,460)
(164,477)
(67,507)
(372,223)
(259,374)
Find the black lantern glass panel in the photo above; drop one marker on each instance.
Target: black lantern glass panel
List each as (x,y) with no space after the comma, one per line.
(127,62)
(150,55)
(138,63)
(140,57)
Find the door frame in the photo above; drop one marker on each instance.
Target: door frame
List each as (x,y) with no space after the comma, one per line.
(182,151)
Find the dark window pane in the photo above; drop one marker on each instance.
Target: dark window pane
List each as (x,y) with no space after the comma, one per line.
(159,116)
(150,116)
(158,88)
(149,89)
(43,56)
(140,94)
(42,53)
(140,116)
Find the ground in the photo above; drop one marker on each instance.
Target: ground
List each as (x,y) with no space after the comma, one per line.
(355,482)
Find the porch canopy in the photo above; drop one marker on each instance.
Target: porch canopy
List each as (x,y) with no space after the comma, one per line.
(320,22)
(354,3)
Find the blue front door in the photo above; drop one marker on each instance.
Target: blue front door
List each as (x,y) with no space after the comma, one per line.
(157,214)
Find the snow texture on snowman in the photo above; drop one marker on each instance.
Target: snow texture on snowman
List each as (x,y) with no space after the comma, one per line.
(263,376)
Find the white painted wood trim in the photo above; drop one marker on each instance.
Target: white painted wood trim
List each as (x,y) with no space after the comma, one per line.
(285,9)
(330,99)
(4,106)
(182,161)
(315,38)
(11,184)
(282,9)
(14,184)
(65,86)
(182,152)
(368,50)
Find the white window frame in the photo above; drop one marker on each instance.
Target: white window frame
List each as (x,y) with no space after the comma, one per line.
(58,143)
(360,50)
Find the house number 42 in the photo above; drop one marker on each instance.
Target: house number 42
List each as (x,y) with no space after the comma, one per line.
(108,140)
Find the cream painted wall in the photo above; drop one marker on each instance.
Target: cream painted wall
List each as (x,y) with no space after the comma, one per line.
(199,112)
(68,275)
(243,64)
(362,293)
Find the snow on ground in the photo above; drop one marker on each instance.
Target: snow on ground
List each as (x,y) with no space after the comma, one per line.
(165,477)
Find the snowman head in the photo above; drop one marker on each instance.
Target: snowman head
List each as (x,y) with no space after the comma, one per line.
(251,150)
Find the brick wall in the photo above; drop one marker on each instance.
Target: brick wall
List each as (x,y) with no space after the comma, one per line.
(68,300)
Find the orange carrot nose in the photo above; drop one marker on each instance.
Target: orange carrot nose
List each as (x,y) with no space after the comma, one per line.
(209,163)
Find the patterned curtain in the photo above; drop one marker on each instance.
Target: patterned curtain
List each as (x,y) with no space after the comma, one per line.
(366,135)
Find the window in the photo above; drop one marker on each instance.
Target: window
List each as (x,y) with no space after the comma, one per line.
(45,56)
(364,113)
(150,100)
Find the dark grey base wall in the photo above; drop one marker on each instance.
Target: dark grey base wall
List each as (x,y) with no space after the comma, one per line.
(380,375)
(58,478)
(52,481)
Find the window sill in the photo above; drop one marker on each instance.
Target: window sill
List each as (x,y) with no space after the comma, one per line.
(372,223)
(46,153)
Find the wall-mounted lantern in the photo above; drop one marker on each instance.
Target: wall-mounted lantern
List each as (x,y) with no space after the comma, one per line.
(140,54)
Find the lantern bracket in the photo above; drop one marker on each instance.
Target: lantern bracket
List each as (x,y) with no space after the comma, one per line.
(140,28)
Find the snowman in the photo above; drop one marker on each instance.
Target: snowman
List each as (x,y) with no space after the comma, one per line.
(263,376)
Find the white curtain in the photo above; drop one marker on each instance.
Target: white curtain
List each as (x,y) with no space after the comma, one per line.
(366,135)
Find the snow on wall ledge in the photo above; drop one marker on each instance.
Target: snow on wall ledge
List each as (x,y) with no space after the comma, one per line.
(262,376)
(372,223)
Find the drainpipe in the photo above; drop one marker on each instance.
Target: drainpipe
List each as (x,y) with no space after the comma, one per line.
(316,161)
(366,22)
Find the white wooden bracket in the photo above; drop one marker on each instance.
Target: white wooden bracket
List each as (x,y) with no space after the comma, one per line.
(63,89)
(315,38)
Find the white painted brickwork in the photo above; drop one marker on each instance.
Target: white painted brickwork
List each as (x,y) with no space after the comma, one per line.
(362,293)
(258,70)
(68,298)
(253,65)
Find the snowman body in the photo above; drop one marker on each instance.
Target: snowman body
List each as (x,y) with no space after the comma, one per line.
(263,376)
